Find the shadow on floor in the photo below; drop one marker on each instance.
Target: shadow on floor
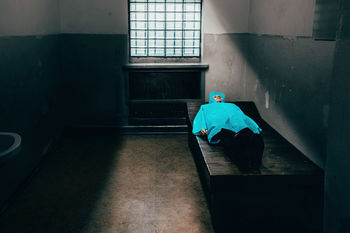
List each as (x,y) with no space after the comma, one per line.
(98,182)
(61,196)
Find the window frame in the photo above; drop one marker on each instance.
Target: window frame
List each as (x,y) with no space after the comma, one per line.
(165,58)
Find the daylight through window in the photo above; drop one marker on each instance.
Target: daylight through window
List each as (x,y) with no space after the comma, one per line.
(165,28)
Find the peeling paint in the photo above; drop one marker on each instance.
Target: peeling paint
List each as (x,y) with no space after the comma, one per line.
(267,99)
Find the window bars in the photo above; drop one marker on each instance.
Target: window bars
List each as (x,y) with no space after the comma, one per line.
(165,28)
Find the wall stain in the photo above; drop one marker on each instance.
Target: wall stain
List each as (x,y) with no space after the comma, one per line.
(267,99)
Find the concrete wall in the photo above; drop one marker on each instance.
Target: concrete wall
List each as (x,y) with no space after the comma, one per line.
(94,16)
(34,17)
(225,16)
(337,196)
(282,17)
(225,54)
(29,85)
(277,64)
(111,16)
(224,30)
(93,79)
(92,60)
(289,81)
(287,73)
(93,50)
(224,47)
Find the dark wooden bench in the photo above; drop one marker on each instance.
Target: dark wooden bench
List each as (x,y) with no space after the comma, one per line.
(286,196)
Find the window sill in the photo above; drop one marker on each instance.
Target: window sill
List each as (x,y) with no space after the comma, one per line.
(166,66)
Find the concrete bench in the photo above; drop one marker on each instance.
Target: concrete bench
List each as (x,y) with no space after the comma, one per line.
(286,196)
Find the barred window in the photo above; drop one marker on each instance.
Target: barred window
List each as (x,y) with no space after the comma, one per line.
(165,28)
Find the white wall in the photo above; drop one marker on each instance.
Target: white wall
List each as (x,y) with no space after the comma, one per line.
(282,17)
(29,17)
(94,16)
(225,16)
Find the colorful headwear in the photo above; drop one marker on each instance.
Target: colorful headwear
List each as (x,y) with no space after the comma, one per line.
(212,100)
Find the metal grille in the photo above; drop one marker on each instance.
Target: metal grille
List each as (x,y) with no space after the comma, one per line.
(165,28)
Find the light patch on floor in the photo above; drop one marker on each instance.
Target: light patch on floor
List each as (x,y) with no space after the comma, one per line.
(130,183)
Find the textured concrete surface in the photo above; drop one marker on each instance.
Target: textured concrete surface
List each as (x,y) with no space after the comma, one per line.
(288,79)
(33,17)
(93,78)
(225,55)
(337,196)
(94,17)
(113,184)
(282,17)
(229,16)
(337,167)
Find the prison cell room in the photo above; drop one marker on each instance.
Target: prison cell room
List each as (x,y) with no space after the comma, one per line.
(108,121)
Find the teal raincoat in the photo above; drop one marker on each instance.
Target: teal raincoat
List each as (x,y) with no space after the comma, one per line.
(216,116)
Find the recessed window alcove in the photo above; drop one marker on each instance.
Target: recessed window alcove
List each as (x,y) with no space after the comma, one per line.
(157,93)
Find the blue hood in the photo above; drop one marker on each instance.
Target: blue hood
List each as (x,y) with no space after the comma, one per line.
(212,100)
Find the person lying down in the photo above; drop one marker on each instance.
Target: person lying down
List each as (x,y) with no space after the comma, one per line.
(226,124)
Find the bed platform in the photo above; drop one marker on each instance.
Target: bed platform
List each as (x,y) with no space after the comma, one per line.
(285,196)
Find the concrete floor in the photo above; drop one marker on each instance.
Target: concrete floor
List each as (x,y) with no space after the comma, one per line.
(109,183)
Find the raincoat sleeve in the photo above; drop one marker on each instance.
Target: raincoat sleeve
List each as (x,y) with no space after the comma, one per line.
(252,125)
(199,122)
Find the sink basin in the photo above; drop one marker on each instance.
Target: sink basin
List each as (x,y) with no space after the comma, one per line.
(10,144)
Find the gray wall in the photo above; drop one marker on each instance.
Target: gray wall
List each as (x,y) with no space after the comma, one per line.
(281,17)
(225,54)
(289,81)
(92,59)
(94,16)
(299,84)
(229,16)
(33,17)
(29,85)
(287,76)
(256,51)
(277,65)
(93,79)
(337,196)
(93,50)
